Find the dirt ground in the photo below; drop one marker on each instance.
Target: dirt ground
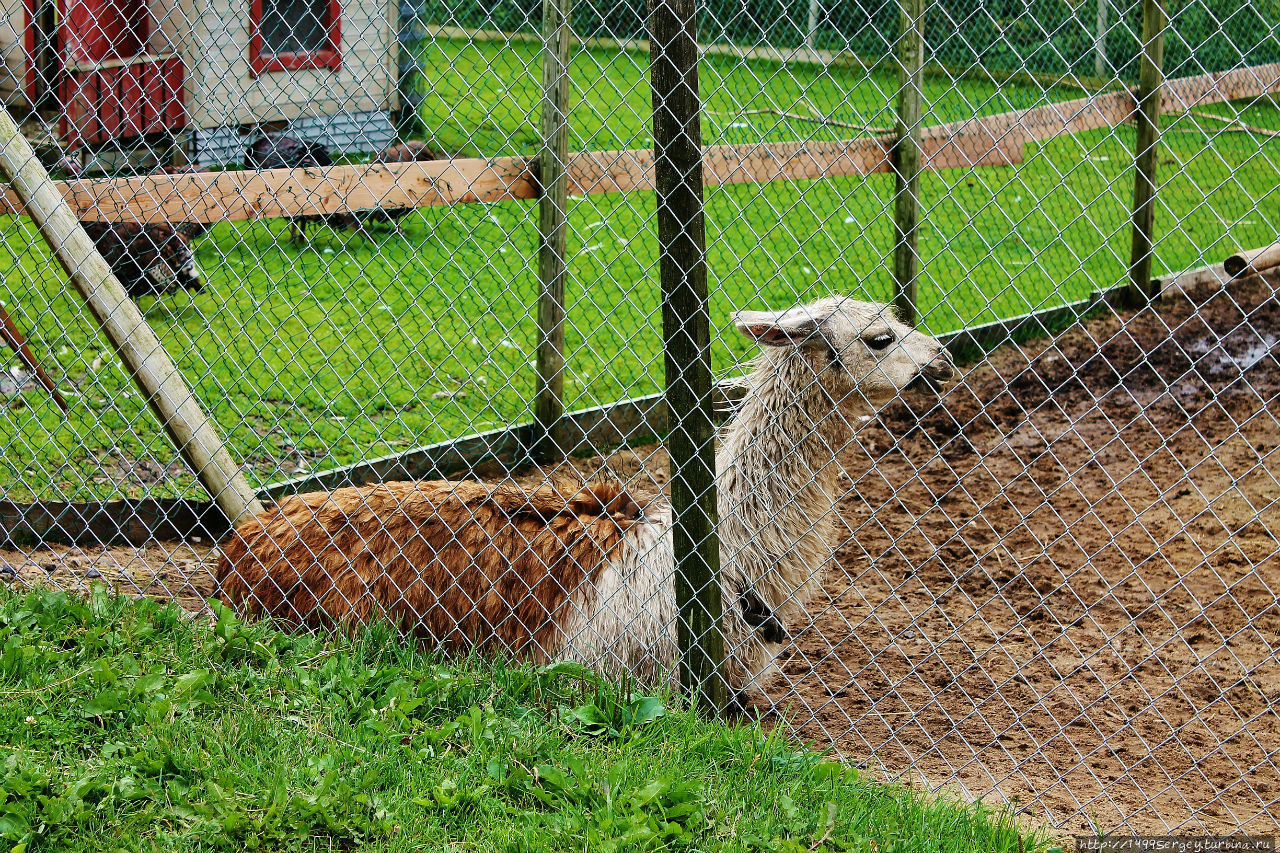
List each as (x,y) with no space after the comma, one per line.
(162,570)
(1059,582)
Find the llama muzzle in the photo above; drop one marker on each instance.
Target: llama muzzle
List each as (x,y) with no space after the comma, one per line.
(935,374)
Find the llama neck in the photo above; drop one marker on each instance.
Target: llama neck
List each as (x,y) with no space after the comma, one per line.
(778,475)
(788,430)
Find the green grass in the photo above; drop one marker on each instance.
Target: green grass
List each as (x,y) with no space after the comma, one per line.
(482,98)
(335,352)
(128,726)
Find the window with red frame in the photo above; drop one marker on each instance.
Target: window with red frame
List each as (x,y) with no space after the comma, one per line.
(291,35)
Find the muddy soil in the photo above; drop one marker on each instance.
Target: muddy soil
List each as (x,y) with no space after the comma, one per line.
(1058,583)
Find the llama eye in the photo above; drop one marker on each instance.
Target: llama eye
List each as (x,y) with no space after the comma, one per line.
(880,341)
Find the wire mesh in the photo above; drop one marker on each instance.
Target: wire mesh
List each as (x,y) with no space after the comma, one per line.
(1053,584)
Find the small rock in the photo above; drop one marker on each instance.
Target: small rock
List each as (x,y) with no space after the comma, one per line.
(93,573)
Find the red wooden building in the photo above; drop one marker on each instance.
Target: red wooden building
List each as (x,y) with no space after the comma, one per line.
(108,79)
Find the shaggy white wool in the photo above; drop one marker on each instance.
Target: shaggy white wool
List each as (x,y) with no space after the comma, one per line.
(822,365)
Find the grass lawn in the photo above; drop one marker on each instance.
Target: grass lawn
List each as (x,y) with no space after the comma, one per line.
(130,727)
(349,348)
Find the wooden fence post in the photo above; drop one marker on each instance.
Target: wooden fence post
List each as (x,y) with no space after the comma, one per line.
(811,32)
(686,331)
(1100,43)
(553,199)
(1146,150)
(141,351)
(907,158)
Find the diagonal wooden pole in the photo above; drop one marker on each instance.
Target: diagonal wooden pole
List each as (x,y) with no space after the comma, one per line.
(137,345)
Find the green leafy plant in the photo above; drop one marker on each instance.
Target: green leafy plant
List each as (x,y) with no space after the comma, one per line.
(613,716)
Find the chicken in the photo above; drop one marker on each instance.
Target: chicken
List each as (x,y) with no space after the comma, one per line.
(280,151)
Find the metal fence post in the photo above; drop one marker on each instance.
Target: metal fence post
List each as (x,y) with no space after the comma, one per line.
(686,329)
(1146,153)
(552,230)
(409,99)
(907,158)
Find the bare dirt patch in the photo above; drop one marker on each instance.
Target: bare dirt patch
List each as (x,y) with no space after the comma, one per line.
(163,571)
(1059,582)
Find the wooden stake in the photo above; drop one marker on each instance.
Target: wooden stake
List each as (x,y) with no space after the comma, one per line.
(1100,69)
(18,343)
(1146,153)
(907,158)
(137,345)
(686,330)
(553,203)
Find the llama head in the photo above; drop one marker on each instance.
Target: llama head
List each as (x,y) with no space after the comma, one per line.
(857,351)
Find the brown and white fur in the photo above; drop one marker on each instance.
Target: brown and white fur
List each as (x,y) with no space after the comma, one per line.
(588,576)
(149,260)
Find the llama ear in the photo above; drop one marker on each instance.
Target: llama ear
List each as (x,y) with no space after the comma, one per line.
(776,328)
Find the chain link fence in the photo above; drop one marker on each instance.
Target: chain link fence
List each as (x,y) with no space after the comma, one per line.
(1052,584)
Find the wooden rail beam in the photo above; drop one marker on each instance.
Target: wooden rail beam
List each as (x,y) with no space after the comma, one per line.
(276,193)
(980,141)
